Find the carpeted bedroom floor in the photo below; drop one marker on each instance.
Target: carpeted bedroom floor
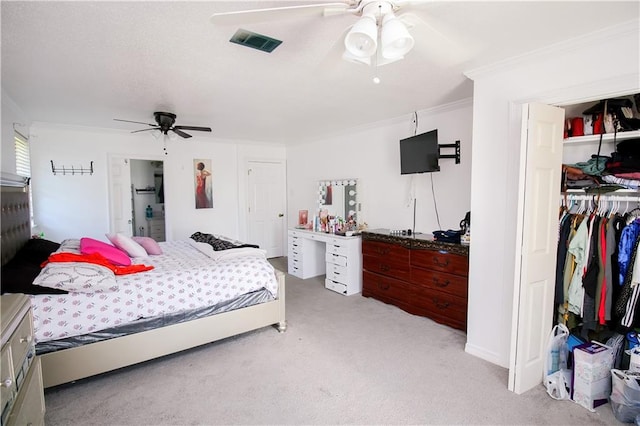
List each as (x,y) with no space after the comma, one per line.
(342,360)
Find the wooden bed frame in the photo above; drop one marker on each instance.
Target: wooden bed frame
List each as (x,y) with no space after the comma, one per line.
(67,365)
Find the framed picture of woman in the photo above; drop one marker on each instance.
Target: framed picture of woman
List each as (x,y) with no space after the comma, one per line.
(203,184)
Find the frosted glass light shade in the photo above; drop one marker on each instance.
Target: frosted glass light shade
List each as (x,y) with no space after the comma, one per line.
(361,41)
(394,38)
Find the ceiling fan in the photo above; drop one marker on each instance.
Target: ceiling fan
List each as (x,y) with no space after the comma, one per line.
(378,38)
(165,123)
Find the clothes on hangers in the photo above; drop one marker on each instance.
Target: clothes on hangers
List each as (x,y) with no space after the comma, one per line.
(597,271)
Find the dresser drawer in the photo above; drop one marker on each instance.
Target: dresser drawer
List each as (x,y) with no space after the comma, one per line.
(29,406)
(336,259)
(390,266)
(7,380)
(440,281)
(337,248)
(385,288)
(440,260)
(21,341)
(390,252)
(442,307)
(335,286)
(337,272)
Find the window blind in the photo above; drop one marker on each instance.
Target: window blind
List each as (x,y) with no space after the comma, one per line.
(23,161)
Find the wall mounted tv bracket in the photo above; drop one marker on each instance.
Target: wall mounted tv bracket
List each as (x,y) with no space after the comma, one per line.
(455,146)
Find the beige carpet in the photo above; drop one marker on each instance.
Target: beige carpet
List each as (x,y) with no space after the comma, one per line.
(343,360)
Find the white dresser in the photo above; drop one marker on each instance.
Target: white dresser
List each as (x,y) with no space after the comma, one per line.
(22,395)
(312,254)
(155,226)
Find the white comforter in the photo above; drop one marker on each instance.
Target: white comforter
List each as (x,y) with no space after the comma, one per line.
(183,278)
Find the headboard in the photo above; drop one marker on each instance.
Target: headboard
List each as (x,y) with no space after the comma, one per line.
(15,220)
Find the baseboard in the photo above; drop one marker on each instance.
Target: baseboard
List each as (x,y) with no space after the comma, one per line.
(479,352)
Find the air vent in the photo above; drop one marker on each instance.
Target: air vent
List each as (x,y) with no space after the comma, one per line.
(255,41)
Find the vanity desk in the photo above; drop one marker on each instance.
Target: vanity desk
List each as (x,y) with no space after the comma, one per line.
(311,254)
(417,274)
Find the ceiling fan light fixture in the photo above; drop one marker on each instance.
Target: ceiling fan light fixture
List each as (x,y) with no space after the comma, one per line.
(394,38)
(362,39)
(156,133)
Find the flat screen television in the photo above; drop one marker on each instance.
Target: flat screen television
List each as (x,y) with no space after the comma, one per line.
(419,153)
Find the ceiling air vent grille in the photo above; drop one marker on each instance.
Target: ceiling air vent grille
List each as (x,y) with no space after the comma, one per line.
(255,41)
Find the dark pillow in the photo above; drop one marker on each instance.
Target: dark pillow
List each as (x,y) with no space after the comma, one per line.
(36,251)
(18,275)
(217,243)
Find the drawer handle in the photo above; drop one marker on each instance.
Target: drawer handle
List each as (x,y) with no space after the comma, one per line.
(440,305)
(441,284)
(6,383)
(384,267)
(383,286)
(441,264)
(382,250)
(26,339)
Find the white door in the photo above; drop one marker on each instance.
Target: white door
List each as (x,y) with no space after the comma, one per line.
(120,203)
(266,217)
(538,231)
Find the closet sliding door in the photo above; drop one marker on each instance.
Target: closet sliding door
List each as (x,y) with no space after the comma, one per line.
(542,133)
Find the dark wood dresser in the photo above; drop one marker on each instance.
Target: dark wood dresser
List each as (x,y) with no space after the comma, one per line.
(419,275)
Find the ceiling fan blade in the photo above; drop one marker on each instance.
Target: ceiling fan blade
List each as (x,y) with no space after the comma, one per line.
(201,129)
(145,130)
(180,133)
(138,122)
(274,14)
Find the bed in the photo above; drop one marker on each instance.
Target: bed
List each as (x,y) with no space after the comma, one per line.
(161,333)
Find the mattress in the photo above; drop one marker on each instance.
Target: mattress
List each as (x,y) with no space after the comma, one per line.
(183,279)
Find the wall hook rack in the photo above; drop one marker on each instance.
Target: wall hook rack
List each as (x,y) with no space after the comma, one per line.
(72,170)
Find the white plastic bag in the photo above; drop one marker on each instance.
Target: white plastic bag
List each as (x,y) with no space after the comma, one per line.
(557,378)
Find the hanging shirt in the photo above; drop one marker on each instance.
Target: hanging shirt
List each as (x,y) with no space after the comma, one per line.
(577,248)
(625,247)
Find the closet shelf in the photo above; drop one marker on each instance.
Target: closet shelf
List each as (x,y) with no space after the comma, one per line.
(148,190)
(606,137)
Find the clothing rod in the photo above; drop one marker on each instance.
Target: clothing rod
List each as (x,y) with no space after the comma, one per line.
(605,197)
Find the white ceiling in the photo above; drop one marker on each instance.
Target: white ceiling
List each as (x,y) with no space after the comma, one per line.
(86,63)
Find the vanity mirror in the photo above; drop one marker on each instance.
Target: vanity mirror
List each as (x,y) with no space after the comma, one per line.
(339,198)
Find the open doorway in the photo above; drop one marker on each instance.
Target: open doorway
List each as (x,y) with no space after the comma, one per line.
(147,181)
(136,197)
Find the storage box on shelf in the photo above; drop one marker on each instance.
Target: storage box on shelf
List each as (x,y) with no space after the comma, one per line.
(313,253)
(22,395)
(419,275)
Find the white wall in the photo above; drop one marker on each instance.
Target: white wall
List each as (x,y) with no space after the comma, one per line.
(603,65)
(372,156)
(12,118)
(77,206)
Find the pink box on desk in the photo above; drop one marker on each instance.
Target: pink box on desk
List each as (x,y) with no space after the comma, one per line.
(592,364)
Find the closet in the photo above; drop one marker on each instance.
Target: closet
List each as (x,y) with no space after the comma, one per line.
(599,221)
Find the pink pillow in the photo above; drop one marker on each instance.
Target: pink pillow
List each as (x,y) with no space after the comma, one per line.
(111,253)
(127,245)
(149,244)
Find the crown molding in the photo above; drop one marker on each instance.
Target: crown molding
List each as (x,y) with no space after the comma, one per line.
(558,49)
(448,107)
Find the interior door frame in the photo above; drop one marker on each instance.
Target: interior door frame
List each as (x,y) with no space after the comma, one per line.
(243,199)
(167,210)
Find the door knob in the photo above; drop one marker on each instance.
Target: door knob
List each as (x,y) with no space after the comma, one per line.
(280,214)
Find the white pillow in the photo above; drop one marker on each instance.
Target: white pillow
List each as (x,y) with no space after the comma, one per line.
(127,245)
(77,277)
(70,245)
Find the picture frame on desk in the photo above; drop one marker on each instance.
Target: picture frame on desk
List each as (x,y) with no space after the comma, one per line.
(303,217)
